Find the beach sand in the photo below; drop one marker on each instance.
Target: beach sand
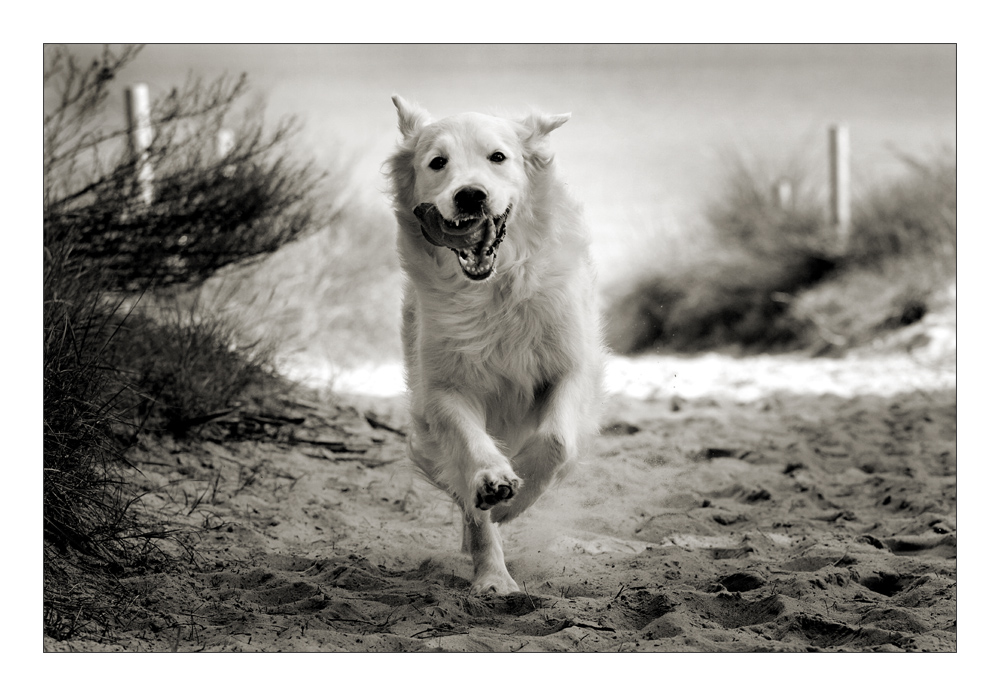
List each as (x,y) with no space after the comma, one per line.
(770,504)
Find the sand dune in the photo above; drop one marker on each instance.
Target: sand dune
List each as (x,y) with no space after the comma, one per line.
(752,516)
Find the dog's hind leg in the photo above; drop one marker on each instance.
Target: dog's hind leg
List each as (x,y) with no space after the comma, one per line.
(481,538)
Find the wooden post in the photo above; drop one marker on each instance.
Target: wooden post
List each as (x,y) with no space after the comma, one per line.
(225,141)
(840,179)
(783,194)
(140,137)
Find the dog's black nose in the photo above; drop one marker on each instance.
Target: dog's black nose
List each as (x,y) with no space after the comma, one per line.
(470,200)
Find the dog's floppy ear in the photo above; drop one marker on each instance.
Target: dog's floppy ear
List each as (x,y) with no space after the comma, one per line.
(411,117)
(543,124)
(536,127)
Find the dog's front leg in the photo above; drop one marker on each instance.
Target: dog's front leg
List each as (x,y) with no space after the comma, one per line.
(472,468)
(481,539)
(479,476)
(555,444)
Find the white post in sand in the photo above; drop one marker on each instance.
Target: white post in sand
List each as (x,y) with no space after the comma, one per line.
(225,141)
(140,137)
(840,180)
(783,194)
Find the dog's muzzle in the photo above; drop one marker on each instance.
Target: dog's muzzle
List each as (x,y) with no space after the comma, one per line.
(473,239)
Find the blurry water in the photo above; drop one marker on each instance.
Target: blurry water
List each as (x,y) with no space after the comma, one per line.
(650,123)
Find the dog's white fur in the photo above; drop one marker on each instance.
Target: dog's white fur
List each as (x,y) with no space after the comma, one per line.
(504,374)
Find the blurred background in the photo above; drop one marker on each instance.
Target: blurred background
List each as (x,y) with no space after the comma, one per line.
(651,127)
(678,153)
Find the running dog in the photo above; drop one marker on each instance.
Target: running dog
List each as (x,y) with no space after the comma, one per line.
(501,330)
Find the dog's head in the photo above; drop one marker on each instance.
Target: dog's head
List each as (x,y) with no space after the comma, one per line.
(461,179)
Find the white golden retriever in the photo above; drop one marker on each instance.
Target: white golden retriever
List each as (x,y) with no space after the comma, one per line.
(502,343)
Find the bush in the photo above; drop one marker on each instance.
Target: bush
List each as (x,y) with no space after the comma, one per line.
(774,278)
(916,216)
(735,294)
(735,300)
(208,211)
(192,366)
(900,257)
(120,349)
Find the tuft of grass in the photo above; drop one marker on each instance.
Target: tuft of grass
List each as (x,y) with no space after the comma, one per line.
(113,365)
(332,297)
(775,277)
(733,294)
(89,524)
(83,508)
(749,213)
(188,366)
(859,303)
(915,216)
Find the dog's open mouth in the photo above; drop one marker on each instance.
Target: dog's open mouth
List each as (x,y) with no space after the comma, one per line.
(473,239)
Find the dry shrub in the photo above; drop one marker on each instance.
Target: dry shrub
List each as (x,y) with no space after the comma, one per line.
(899,258)
(916,216)
(208,209)
(332,297)
(191,366)
(115,362)
(775,278)
(735,293)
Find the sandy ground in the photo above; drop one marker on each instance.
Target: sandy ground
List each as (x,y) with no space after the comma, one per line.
(771,504)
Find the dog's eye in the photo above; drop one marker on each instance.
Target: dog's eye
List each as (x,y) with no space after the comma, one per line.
(438,163)
(498,157)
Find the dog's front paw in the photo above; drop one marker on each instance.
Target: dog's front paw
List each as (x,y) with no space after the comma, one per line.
(496,583)
(493,488)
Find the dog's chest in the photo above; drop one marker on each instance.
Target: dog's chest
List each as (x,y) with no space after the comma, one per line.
(497,341)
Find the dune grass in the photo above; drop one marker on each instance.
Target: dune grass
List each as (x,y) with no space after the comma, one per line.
(898,262)
(775,277)
(191,365)
(913,217)
(128,345)
(333,297)
(83,408)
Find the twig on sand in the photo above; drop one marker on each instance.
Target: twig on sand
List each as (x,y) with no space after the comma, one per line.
(381,425)
(620,590)
(530,601)
(332,445)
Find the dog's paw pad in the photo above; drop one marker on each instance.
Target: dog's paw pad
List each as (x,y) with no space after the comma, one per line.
(494,490)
